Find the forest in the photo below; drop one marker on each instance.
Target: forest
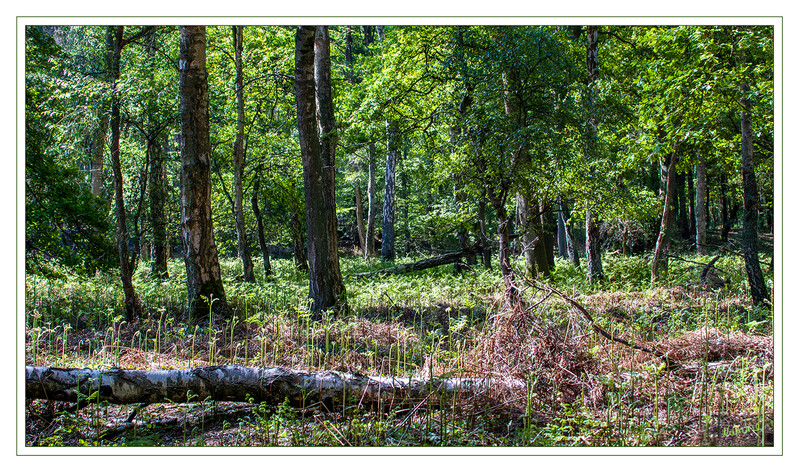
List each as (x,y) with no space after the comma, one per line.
(399,236)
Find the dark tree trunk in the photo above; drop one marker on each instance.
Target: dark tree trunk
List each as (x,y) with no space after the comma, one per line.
(312,79)
(701,207)
(238,160)
(563,251)
(757,286)
(132,303)
(548,225)
(371,193)
(484,239)
(660,256)
(256,209)
(203,274)
(387,251)
(298,243)
(158,199)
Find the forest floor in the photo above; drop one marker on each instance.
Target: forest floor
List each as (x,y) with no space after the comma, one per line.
(572,386)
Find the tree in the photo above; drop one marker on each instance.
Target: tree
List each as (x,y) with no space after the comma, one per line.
(312,79)
(203,274)
(593,251)
(238,160)
(757,286)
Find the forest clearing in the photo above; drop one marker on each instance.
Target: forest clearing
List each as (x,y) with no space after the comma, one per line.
(406,236)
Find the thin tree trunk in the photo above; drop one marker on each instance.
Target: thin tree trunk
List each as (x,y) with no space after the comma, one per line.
(158,198)
(757,286)
(593,249)
(132,303)
(256,209)
(387,250)
(238,160)
(371,193)
(359,215)
(571,244)
(203,274)
(660,256)
(701,207)
(529,239)
(98,153)
(484,240)
(298,243)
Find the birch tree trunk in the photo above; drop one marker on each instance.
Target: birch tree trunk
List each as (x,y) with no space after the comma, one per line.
(387,251)
(238,160)
(236,383)
(203,274)
(593,250)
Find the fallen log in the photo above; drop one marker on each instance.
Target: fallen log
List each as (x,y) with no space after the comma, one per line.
(448,258)
(237,383)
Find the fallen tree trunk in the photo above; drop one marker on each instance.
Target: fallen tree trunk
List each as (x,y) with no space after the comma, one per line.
(237,383)
(448,258)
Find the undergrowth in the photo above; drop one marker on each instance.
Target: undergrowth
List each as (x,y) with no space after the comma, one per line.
(571,387)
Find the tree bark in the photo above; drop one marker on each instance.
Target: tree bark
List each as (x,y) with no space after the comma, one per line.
(298,243)
(203,274)
(371,193)
(272,386)
(238,160)
(593,249)
(571,244)
(448,258)
(359,212)
(312,80)
(387,251)
(660,256)
(701,207)
(132,303)
(98,153)
(158,200)
(256,209)
(757,286)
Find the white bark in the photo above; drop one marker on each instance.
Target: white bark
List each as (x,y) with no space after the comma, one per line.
(238,383)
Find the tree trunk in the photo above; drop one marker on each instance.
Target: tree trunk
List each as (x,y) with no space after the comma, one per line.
(371,193)
(272,386)
(660,256)
(359,213)
(571,244)
(484,240)
(312,79)
(203,274)
(158,199)
(298,243)
(701,207)
(525,212)
(387,251)
(132,303)
(238,160)
(757,286)
(563,251)
(593,248)
(448,258)
(98,153)
(260,222)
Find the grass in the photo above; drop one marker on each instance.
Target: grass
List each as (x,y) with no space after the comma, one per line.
(579,389)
